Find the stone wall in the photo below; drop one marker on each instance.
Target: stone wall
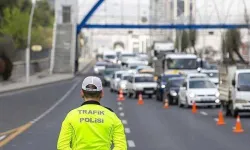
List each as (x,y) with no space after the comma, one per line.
(19,69)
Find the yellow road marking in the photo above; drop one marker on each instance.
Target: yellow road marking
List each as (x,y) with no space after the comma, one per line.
(11,134)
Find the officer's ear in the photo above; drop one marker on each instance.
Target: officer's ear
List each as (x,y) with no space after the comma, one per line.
(82,94)
(102,94)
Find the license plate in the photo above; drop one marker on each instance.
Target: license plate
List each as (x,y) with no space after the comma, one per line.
(149,92)
(206,99)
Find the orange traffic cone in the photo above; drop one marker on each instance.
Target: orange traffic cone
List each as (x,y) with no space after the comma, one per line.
(120,96)
(194,109)
(238,127)
(220,119)
(166,105)
(140,100)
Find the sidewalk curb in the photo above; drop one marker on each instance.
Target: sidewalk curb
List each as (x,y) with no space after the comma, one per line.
(23,87)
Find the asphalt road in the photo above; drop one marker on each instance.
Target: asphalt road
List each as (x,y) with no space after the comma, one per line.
(148,126)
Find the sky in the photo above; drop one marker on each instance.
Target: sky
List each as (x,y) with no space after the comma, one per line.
(221,11)
(208,11)
(111,10)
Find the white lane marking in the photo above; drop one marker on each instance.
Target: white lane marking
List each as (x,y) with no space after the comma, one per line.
(127,130)
(2,137)
(119,103)
(120,108)
(124,122)
(203,113)
(131,143)
(57,103)
(216,119)
(122,114)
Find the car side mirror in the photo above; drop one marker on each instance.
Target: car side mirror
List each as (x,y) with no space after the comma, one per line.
(233,82)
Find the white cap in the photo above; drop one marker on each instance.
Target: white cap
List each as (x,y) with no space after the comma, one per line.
(92,80)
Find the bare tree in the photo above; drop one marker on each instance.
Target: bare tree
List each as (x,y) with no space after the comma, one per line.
(231,45)
(192,39)
(184,41)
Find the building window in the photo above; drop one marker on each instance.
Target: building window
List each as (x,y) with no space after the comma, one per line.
(211,33)
(66,14)
(181,7)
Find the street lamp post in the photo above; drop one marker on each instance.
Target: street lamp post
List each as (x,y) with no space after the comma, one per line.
(29,41)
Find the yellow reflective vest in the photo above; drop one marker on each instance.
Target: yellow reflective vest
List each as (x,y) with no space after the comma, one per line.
(92,127)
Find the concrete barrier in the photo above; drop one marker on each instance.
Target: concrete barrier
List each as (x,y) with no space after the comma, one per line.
(36,66)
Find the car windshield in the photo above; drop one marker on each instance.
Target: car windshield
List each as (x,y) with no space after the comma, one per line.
(133,67)
(212,74)
(181,64)
(119,75)
(176,82)
(125,77)
(109,72)
(144,79)
(110,56)
(201,84)
(244,81)
(113,66)
(212,67)
(167,77)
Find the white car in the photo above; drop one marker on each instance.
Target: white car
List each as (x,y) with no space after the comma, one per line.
(116,77)
(141,83)
(201,91)
(213,75)
(123,82)
(99,67)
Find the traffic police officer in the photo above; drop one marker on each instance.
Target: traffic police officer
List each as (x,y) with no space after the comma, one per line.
(92,126)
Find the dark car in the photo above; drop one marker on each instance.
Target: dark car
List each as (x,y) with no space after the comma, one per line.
(172,89)
(107,75)
(161,84)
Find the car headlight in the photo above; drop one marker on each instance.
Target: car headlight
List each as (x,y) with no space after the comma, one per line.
(173,93)
(191,95)
(107,78)
(217,101)
(123,85)
(163,86)
(217,94)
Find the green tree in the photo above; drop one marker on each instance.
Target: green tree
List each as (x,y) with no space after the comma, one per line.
(43,15)
(6,3)
(184,40)
(42,36)
(15,24)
